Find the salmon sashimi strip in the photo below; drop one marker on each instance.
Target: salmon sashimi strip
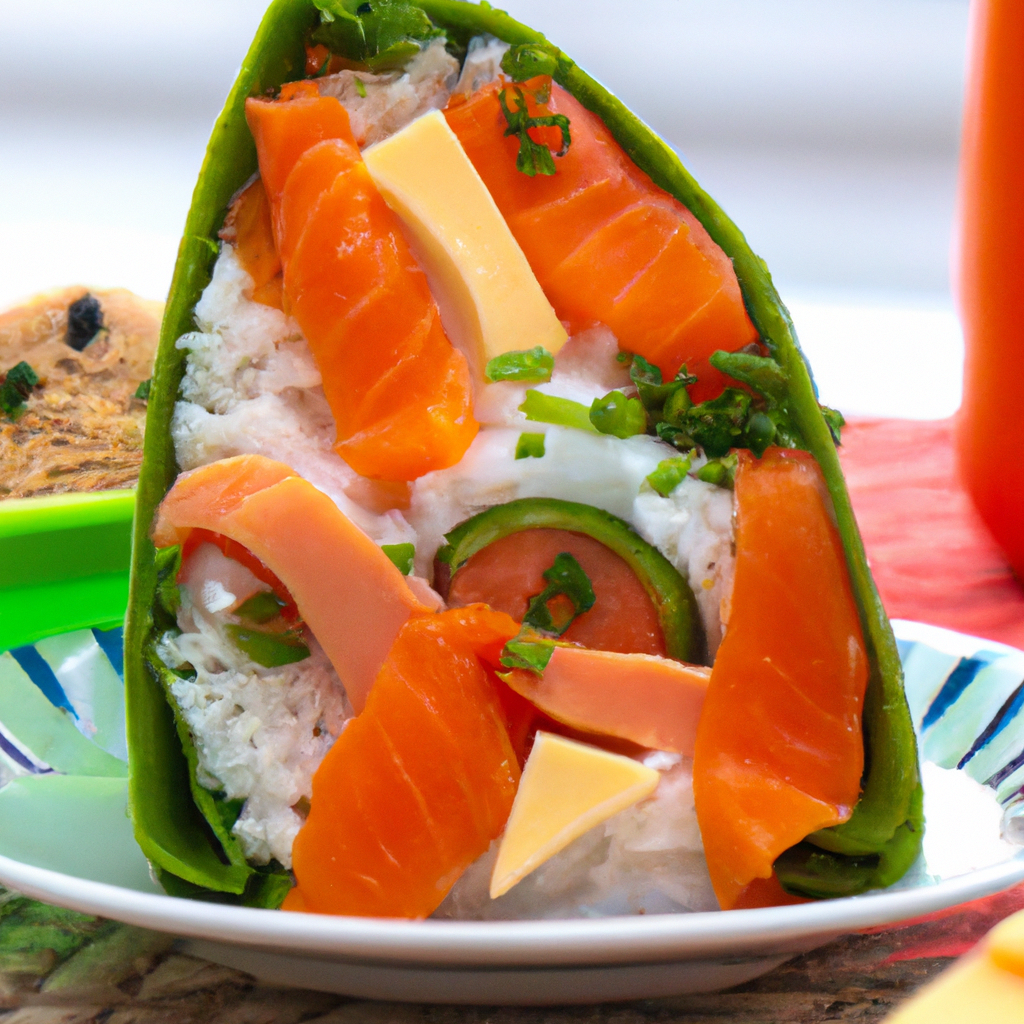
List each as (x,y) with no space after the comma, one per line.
(248,227)
(400,393)
(605,242)
(508,572)
(779,750)
(418,786)
(346,589)
(653,702)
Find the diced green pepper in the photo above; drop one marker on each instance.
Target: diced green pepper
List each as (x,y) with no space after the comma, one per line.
(402,555)
(530,446)
(533,365)
(563,412)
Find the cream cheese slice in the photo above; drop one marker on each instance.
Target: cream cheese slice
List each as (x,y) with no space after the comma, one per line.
(567,788)
(489,298)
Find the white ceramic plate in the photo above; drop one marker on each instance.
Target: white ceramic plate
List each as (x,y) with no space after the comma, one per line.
(967,697)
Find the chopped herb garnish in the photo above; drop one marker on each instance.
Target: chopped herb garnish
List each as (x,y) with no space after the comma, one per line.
(718,424)
(530,446)
(563,412)
(361,87)
(17,385)
(271,650)
(261,607)
(401,555)
(381,36)
(533,157)
(568,594)
(528,60)
(533,365)
(721,472)
(85,321)
(142,391)
(618,415)
(528,651)
(670,473)
(326,66)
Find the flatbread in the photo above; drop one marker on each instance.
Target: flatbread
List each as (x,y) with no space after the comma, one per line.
(82,427)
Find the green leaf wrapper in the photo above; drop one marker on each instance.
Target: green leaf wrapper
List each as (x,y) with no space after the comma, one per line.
(176,822)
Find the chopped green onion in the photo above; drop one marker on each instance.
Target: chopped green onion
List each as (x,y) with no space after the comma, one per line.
(721,472)
(532,365)
(618,415)
(563,412)
(669,474)
(530,446)
(142,391)
(271,650)
(401,555)
(361,87)
(261,607)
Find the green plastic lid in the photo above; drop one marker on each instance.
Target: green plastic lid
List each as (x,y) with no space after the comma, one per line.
(64,563)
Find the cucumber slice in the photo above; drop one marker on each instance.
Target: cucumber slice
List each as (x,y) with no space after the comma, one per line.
(671,594)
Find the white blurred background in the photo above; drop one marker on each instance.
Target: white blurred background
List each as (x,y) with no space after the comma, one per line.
(828,129)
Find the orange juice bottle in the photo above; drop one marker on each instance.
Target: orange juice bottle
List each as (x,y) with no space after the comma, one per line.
(990,273)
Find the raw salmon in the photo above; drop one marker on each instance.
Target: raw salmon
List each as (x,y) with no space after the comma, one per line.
(346,589)
(779,751)
(419,785)
(248,227)
(607,244)
(400,393)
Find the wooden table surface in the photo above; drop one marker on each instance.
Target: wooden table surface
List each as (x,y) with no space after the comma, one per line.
(933,562)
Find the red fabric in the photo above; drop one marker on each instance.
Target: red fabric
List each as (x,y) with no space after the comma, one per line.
(931,556)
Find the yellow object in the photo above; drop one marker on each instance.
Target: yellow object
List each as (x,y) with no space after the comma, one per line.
(567,788)
(489,298)
(986,987)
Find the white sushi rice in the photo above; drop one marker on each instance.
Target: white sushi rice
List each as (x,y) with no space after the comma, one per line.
(251,386)
(260,733)
(647,859)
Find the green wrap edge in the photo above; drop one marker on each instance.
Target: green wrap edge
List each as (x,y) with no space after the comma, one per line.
(882,838)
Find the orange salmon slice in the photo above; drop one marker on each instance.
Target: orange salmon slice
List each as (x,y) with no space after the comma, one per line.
(779,751)
(605,242)
(400,393)
(346,589)
(419,785)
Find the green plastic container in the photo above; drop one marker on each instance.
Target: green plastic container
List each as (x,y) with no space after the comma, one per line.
(64,564)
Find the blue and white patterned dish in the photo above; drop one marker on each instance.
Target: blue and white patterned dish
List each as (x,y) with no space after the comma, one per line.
(966,697)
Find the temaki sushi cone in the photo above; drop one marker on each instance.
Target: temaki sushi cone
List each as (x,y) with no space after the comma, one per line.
(544,213)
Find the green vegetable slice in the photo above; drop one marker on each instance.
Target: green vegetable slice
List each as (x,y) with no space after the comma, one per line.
(401,555)
(530,446)
(562,412)
(533,365)
(261,607)
(668,475)
(671,595)
(618,415)
(271,650)
(887,821)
